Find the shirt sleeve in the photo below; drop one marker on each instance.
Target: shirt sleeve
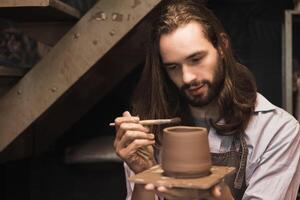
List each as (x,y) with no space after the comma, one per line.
(277,174)
(130,185)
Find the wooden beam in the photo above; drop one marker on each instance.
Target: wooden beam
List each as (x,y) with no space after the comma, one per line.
(91,41)
(100,80)
(23,3)
(59,5)
(40,10)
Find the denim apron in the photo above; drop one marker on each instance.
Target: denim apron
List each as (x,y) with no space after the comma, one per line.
(234,158)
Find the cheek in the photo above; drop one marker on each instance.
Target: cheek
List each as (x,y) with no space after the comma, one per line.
(212,66)
(175,77)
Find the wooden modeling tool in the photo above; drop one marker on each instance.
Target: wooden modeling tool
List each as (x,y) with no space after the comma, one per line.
(156,121)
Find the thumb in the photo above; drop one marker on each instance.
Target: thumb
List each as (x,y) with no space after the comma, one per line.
(126,114)
(217,191)
(221,191)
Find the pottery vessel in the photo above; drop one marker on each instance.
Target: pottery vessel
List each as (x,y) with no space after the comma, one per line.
(185,152)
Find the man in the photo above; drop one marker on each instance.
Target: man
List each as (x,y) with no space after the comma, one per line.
(191,72)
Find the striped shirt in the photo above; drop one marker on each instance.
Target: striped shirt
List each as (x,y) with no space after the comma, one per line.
(273,162)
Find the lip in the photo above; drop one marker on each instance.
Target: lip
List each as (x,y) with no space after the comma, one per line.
(194,91)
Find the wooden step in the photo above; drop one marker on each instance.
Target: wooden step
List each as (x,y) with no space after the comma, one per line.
(37,10)
(9,76)
(106,44)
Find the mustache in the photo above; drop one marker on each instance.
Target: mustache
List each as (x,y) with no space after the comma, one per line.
(195,84)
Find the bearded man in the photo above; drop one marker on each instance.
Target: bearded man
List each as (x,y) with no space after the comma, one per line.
(191,72)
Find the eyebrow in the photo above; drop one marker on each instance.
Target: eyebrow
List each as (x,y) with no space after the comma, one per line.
(197,53)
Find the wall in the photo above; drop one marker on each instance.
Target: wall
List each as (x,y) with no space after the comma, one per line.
(255,29)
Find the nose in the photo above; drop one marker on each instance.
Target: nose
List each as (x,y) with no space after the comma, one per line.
(187,74)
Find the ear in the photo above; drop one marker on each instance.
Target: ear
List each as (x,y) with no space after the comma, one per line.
(224,43)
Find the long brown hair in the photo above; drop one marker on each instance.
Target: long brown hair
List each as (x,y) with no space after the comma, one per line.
(157,97)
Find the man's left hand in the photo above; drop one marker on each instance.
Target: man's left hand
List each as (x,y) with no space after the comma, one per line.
(218,192)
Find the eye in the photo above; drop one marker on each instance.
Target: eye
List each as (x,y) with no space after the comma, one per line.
(171,67)
(194,61)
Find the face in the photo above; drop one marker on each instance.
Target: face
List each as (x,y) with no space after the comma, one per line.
(192,63)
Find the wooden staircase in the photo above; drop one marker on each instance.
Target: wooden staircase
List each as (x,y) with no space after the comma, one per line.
(87,59)
(37,10)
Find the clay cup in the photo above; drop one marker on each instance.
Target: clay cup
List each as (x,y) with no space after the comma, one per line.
(185,152)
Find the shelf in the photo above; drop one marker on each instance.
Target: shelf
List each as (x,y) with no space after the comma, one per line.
(37,10)
(12,71)
(9,76)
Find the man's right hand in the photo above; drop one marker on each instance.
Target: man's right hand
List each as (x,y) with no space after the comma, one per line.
(133,143)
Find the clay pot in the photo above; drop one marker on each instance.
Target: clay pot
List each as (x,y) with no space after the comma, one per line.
(185,152)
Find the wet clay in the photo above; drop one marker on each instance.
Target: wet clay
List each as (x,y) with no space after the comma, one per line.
(185,152)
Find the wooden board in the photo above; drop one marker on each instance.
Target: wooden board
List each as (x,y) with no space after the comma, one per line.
(22,3)
(155,176)
(6,71)
(9,76)
(81,68)
(37,10)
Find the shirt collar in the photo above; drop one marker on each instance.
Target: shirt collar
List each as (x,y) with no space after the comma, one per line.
(262,104)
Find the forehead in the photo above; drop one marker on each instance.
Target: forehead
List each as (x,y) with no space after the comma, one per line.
(188,26)
(184,40)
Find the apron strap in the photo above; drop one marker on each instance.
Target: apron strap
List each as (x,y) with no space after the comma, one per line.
(238,181)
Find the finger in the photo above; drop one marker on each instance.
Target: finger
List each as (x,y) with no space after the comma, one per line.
(130,127)
(129,136)
(217,191)
(120,120)
(149,186)
(119,134)
(221,190)
(133,127)
(126,114)
(126,117)
(136,144)
(126,153)
(162,189)
(124,128)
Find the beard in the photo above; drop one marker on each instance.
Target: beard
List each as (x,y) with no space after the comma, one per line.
(212,90)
